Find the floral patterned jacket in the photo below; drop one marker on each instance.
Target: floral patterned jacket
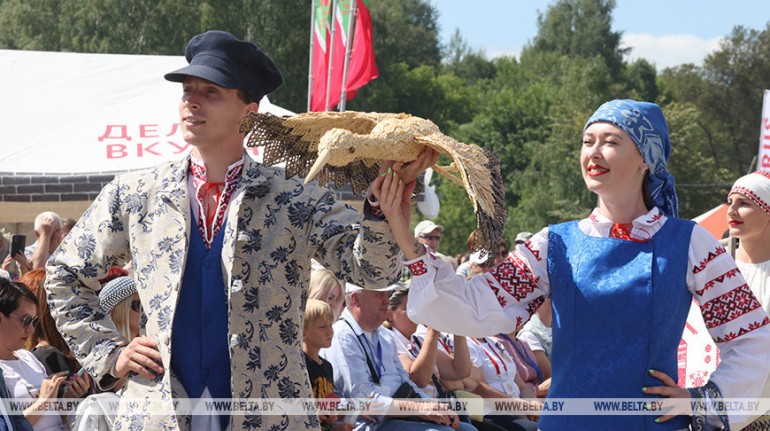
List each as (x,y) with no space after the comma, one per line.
(274,227)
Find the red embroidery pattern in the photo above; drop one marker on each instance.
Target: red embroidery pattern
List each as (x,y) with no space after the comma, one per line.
(417,268)
(655,218)
(534,252)
(711,256)
(211,214)
(733,335)
(514,276)
(729,306)
(753,197)
(729,274)
(500,298)
(534,305)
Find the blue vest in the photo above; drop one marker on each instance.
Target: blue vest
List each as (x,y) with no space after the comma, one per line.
(200,355)
(619,309)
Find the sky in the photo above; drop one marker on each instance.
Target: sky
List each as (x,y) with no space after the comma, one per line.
(665,32)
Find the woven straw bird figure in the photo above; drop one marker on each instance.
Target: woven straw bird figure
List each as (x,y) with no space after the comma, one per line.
(347,148)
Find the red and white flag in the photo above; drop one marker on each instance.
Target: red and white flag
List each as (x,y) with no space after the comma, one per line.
(321,39)
(361,67)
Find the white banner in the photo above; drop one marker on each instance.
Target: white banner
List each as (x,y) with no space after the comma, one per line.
(763,159)
(71,112)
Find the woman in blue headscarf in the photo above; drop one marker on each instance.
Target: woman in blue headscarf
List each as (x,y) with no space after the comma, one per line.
(620,281)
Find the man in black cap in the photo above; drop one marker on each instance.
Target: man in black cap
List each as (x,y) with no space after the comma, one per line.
(222,247)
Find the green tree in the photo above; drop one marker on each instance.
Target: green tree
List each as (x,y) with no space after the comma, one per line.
(641,80)
(700,181)
(581,28)
(471,66)
(728,91)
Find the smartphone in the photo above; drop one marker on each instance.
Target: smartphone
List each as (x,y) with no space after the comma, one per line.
(18,242)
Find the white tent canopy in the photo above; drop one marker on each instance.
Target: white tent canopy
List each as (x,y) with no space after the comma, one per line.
(70,112)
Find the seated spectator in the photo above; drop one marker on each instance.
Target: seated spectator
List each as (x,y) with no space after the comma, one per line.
(12,267)
(494,376)
(537,334)
(25,377)
(502,252)
(522,237)
(429,233)
(366,365)
(324,286)
(464,267)
(48,234)
(48,345)
(428,366)
(317,334)
(120,300)
(34,279)
(526,365)
(8,420)
(481,262)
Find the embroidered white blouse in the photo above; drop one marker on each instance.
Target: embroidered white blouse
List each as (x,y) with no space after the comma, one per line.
(503,299)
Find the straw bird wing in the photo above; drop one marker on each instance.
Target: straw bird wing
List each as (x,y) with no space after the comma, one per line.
(347,147)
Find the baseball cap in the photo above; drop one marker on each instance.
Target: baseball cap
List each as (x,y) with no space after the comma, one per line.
(479,257)
(522,237)
(350,288)
(426,226)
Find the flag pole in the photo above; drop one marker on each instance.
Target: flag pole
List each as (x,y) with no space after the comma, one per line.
(348,50)
(310,62)
(334,5)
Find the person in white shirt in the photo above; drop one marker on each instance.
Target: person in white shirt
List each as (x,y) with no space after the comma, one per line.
(429,366)
(749,218)
(366,365)
(25,377)
(620,281)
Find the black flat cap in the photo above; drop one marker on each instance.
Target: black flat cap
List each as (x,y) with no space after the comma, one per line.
(225,60)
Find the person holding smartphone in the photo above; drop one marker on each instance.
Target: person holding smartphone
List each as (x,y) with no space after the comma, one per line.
(25,377)
(15,264)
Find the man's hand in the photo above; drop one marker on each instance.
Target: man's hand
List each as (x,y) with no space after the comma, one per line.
(140,356)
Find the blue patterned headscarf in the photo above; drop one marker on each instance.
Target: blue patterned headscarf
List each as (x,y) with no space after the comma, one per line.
(645,124)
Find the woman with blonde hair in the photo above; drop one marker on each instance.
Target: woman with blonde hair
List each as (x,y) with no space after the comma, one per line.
(324,286)
(119,298)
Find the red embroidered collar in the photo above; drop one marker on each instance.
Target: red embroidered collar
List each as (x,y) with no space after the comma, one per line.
(213,198)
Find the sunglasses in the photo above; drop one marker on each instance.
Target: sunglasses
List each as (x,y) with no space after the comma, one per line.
(136,305)
(431,237)
(26,320)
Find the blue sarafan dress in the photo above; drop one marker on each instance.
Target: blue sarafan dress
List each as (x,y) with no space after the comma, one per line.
(619,308)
